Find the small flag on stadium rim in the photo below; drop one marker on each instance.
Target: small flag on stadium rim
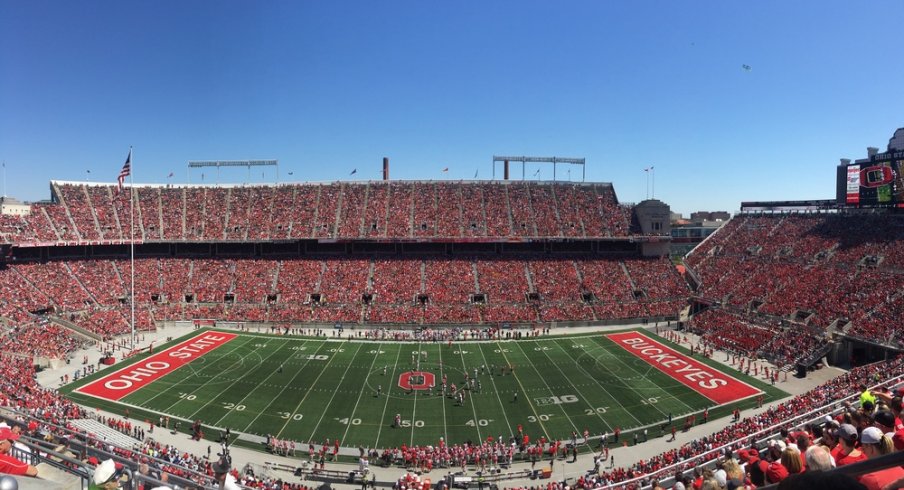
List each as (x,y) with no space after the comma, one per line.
(446,169)
(170,175)
(126,170)
(354,171)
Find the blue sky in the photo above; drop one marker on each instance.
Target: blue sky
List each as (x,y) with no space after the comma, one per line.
(331,86)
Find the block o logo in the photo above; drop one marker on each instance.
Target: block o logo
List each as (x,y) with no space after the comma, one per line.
(417,380)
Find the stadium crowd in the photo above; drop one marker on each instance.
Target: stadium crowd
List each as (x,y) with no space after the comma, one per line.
(816,270)
(421,289)
(95,212)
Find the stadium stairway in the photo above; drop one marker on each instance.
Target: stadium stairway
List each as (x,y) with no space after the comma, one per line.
(108,434)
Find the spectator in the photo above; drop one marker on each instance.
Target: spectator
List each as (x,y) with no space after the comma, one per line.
(819,459)
(847,451)
(9,464)
(874,444)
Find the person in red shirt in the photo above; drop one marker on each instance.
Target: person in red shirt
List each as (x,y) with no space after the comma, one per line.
(9,464)
(849,453)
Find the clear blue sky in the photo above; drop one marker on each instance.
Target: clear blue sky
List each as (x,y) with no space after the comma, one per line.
(330,86)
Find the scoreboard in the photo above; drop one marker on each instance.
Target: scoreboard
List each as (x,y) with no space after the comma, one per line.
(876,181)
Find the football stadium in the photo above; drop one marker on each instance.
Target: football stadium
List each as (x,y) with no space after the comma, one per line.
(451,332)
(379,270)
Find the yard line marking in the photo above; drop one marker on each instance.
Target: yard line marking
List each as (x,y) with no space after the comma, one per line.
(206,383)
(417,367)
(380,422)
(493,381)
(531,405)
(361,391)
(242,378)
(575,388)
(326,408)
(473,407)
(635,390)
(286,385)
(135,375)
(445,425)
(543,378)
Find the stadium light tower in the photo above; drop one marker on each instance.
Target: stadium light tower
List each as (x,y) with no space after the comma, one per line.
(553,160)
(233,163)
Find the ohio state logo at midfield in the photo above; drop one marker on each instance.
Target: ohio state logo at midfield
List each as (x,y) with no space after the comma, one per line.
(417,380)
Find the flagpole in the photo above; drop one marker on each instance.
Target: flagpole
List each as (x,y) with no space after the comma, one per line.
(132,241)
(653,169)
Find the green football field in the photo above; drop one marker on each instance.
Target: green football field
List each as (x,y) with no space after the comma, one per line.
(307,389)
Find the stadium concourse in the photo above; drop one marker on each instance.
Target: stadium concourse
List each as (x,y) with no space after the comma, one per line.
(267,465)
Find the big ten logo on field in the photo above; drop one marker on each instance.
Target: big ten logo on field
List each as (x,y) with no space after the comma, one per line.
(555,400)
(417,380)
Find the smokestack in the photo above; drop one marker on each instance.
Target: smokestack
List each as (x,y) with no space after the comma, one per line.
(385,168)
(505,166)
(871,151)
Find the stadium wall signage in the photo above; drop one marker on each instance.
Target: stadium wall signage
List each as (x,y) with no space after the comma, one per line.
(709,382)
(135,376)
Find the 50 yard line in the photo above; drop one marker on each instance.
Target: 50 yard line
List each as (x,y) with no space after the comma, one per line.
(414,404)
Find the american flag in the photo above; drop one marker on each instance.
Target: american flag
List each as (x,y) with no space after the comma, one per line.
(126,170)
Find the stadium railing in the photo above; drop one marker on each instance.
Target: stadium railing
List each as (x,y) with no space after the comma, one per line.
(45,455)
(86,446)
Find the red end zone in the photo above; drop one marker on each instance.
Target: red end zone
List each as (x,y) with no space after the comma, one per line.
(140,374)
(709,382)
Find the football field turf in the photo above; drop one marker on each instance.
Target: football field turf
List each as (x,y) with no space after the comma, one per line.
(308,389)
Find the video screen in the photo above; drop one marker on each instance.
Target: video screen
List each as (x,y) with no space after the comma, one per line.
(875,183)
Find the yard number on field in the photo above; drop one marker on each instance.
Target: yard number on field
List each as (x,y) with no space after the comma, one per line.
(591,411)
